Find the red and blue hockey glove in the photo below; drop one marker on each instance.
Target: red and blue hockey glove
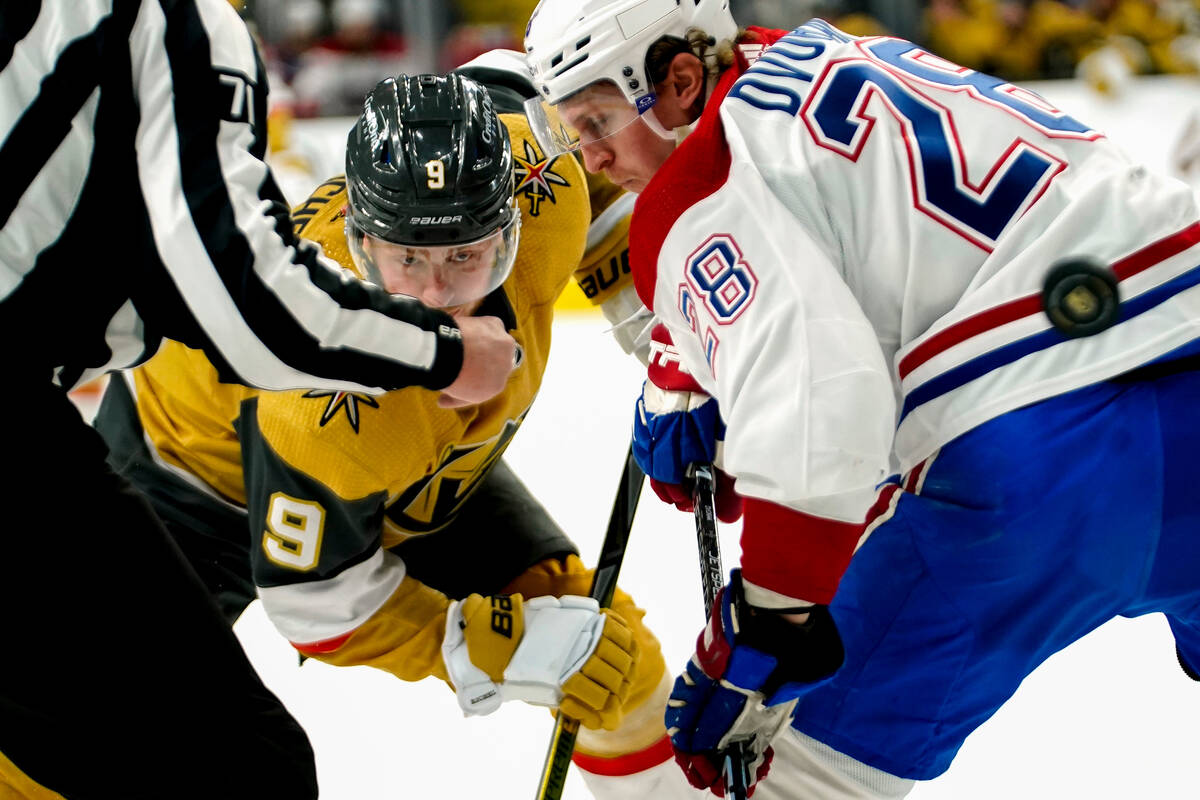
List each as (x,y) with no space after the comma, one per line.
(741,686)
(676,424)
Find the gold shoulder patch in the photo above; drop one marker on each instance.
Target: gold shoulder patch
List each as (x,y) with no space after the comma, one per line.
(537,177)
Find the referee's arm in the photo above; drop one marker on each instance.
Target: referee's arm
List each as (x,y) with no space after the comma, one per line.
(274,310)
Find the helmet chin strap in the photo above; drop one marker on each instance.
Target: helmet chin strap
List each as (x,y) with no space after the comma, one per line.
(651,120)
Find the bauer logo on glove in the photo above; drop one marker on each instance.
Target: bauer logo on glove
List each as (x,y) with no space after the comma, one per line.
(563,652)
(502,618)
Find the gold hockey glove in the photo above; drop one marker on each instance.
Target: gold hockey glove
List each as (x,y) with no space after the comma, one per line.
(550,651)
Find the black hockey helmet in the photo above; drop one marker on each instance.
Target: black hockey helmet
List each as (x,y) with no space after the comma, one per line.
(428,165)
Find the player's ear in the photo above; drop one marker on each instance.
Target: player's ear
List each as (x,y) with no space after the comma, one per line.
(683,88)
(687,71)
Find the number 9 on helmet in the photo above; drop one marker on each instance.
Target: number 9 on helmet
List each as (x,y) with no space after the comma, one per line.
(429,178)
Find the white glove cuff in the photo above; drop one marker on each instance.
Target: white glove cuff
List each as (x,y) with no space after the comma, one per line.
(477,693)
(657,400)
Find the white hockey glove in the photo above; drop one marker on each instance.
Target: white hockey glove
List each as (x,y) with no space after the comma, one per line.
(550,651)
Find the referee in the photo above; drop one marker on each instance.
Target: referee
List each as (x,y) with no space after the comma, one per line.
(135,205)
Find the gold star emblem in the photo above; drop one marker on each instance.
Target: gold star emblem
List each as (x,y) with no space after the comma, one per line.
(536,178)
(347,401)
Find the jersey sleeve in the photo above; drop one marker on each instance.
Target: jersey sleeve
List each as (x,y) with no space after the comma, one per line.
(767,325)
(604,273)
(318,563)
(266,307)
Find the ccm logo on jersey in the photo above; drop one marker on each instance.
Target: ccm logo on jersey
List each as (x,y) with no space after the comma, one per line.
(435,220)
(666,369)
(664,354)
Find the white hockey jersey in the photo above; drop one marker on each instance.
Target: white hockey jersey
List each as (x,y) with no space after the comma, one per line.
(851,249)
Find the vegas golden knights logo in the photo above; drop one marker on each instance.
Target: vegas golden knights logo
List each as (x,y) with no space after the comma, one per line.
(434,501)
(536,178)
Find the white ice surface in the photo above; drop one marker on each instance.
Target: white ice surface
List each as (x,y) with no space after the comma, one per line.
(1110,717)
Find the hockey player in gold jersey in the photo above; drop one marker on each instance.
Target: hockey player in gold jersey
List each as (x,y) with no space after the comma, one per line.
(388,531)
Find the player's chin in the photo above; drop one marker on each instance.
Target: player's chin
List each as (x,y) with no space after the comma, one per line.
(464,309)
(633,185)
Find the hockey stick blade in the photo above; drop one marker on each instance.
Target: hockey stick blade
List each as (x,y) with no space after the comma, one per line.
(712,577)
(604,585)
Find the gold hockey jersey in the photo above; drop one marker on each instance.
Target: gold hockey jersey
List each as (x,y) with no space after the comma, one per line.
(330,480)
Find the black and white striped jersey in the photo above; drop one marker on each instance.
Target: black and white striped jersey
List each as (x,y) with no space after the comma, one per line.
(135,205)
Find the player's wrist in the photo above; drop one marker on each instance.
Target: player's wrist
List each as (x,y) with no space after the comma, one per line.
(793,554)
(802,639)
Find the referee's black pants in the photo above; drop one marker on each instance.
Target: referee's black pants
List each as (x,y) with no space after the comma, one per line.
(118,676)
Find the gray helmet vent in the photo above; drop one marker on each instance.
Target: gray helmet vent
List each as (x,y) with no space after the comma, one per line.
(571,65)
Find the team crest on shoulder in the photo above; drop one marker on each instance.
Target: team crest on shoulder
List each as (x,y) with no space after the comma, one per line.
(344,401)
(536,177)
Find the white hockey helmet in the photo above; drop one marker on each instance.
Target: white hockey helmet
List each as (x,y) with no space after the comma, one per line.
(570,45)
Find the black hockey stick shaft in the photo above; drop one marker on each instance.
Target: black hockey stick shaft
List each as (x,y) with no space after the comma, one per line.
(712,577)
(604,585)
(712,574)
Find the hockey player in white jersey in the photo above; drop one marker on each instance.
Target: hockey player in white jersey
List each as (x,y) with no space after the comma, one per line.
(898,279)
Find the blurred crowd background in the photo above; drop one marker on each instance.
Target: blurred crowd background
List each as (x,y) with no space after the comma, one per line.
(324,55)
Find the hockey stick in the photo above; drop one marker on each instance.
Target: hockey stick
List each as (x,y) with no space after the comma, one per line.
(712,578)
(604,584)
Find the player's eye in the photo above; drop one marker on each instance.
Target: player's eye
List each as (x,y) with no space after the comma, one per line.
(593,127)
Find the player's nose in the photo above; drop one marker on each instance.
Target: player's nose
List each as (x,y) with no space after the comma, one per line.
(437,292)
(595,156)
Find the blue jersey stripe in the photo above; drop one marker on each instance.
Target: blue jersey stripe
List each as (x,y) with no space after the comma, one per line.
(965,373)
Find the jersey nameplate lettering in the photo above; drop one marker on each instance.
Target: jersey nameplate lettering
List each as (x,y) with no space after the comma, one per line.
(832,99)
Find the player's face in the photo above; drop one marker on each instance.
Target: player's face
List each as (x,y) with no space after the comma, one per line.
(613,138)
(454,279)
